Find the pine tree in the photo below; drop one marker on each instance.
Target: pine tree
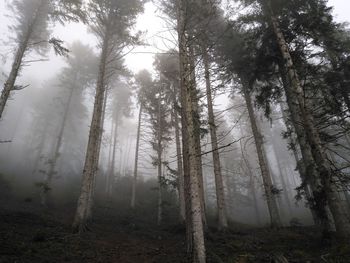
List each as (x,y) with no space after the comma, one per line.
(111,21)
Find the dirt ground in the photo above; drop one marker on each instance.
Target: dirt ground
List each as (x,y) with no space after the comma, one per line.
(36,236)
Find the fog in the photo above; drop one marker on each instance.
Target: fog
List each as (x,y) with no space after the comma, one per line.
(115,124)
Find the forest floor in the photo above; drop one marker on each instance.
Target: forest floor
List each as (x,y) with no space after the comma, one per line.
(30,236)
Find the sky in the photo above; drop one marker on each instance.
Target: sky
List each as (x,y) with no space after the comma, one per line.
(156,35)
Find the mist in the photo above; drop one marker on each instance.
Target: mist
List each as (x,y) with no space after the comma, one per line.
(174,131)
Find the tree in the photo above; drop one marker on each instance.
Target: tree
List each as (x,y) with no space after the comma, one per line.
(78,74)
(144,82)
(167,65)
(157,106)
(190,133)
(111,22)
(295,93)
(121,101)
(32,34)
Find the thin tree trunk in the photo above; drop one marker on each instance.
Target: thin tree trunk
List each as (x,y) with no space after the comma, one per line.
(52,167)
(252,185)
(111,175)
(285,188)
(92,154)
(265,174)
(188,94)
(159,161)
(220,194)
(110,154)
(180,176)
(134,182)
(296,94)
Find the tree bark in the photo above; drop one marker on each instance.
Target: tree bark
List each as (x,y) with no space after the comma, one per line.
(296,94)
(159,161)
(134,182)
(265,174)
(220,192)
(188,93)
(197,126)
(180,175)
(92,154)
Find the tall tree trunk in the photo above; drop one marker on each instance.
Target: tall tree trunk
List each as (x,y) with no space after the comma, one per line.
(17,63)
(220,192)
(98,153)
(111,175)
(52,164)
(197,126)
(285,187)
(92,153)
(159,161)
(110,156)
(188,93)
(296,95)
(180,175)
(265,174)
(251,185)
(134,182)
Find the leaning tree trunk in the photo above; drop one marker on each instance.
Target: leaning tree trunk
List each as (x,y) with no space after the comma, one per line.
(92,154)
(188,93)
(98,153)
(296,94)
(52,167)
(134,182)
(265,174)
(220,192)
(16,66)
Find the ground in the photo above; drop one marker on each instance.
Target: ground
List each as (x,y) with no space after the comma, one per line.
(37,236)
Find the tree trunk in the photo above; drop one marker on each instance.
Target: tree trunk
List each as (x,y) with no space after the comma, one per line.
(180,176)
(52,164)
(251,185)
(197,124)
(296,94)
(159,161)
(285,187)
(110,156)
(134,182)
(92,154)
(265,174)
(188,93)
(111,175)
(17,63)
(220,192)
(98,153)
